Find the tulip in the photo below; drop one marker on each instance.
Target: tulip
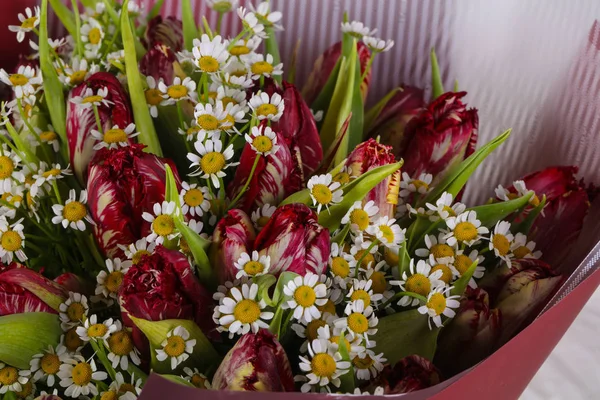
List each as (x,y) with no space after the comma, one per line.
(369,155)
(410,374)
(162,286)
(441,136)
(257,362)
(122,185)
(233,235)
(294,241)
(158,63)
(391,122)
(165,31)
(73,283)
(324,65)
(81,120)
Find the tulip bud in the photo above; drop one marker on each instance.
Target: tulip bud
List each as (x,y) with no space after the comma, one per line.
(369,155)
(295,241)
(158,63)
(73,283)
(81,120)
(410,374)
(165,31)
(439,137)
(324,65)
(257,362)
(233,236)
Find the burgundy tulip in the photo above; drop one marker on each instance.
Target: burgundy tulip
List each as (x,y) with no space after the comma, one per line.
(165,31)
(410,374)
(158,63)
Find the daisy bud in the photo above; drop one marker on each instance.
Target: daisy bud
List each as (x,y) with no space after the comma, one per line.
(158,63)
(410,374)
(165,31)
(257,362)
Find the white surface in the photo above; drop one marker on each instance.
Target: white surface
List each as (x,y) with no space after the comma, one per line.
(572,371)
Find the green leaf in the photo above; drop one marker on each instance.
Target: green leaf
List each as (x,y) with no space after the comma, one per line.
(89,3)
(176,379)
(347,383)
(456,180)
(404,334)
(525,225)
(189,24)
(403,260)
(489,214)
(437,89)
(155,9)
(264,283)
(355,191)
(329,157)
(53,89)
(78,41)
(322,101)
(204,356)
(27,334)
(171,192)
(141,112)
(455,89)
(374,112)
(340,237)
(64,15)
(23,148)
(460,285)
(111,11)
(357,113)
(283,280)
(272,48)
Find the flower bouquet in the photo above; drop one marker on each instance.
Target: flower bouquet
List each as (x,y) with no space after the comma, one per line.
(171,203)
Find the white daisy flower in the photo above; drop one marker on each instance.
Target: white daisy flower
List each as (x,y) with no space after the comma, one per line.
(341,265)
(78,376)
(141,247)
(438,248)
(379,278)
(360,320)
(310,330)
(163,225)
(503,194)
(464,229)
(120,347)
(360,251)
(265,107)
(523,191)
(49,137)
(209,118)
(377,45)
(12,241)
(42,179)
(439,303)
(233,80)
(463,262)
(420,185)
(90,99)
(211,161)
(242,312)
(362,290)
(10,170)
(252,266)
(357,29)
(153,95)
(344,176)
(445,266)
(196,378)
(119,389)
(74,213)
(261,215)
(177,347)
(24,82)
(194,199)
(115,59)
(323,191)
(235,114)
(523,248)
(243,47)
(12,379)
(222,6)
(45,366)
(500,241)
(420,280)
(251,23)
(444,208)
(360,216)
(368,364)
(261,65)
(210,55)
(73,311)
(109,281)
(324,367)
(92,330)
(304,294)
(263,140)
(29,21)
(227,95)
(179,90)
(388,232)
(115,137)
(92,34)
(190,133)
(78,71)
(224,290)
(354,344)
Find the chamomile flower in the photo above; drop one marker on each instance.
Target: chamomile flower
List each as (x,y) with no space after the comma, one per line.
(251,23)
(465,229)
(110,281)
(444,265)
(73,311)
(444,208)
(309,331)
(354,344)
(462,262)
(9,170)
(77,376)
(252,266)
(242,312)
(92,330)
(43,178)
(419,280)
(360,320)
(210,55)
(522,190)
(360,217)
(267,107)
(324,192)
(377,45)
(209,118)
(361,289)
(361,253)
(177,347)
(503,194)
(344,176)
(341,265)
(368,364)
(420,185)
(234,114)
(92,34)
(78,71)
(304,294)
(222,6)
(12,241)
(74,213)
(45,365)
(523,248)
(196,378)
(261,215)
(49,137)
(235,79)
(119,389)
(153,95)
(243,47)
(190,133)
(71,340)
(194,199)
(135,251)
(379,278)
(439,303)
(263,140)
(114,137)
(179,90)
(261,65)
(29,21)
(12,379)
(438,248)
(163,225)
(323,366)
(120,347)
(224,290)
(357,29)
(228,95)
(88,99)
(500,241)
(388,232)
(115,59)
(24,82)
(211,161)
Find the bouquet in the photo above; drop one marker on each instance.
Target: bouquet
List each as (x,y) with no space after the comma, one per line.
(171,203)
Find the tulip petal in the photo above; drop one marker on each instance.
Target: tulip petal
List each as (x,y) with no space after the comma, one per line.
(165,31)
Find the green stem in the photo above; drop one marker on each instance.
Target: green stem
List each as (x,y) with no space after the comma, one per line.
(367,68)
(94,250)
(56,191)
(33,132)
(101,353)
(112,41)
(245,187)
(203,78)
(235,39)
(373,244)
(180,115)
(77,29)
(205,88)
(219,21)
(97,116)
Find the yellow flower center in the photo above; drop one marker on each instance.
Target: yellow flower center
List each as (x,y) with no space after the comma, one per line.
(336,340)
(192,130)
(115,136)
(446,272)
(367,260)
(442,250)
(419,284)
(153,97)
(15,200)
(120,343)
(48,136)
(521,252)
(437,302)
(305,296)
(212,162)
(29,23)
(462,263)
(51,172)
(26,390)
(177,91)
(342,178)
(420,184)
(322,194)
(92,99)
(465,232)
(11,241)
(450,211)
(264,110)
(81,374)
(184,246)
(340,267)
(137,256)
(239,72)
(208,64)
(361,294)
(360,218)
(74,211)
(534,201)
(113,281)
(379,283)
(110,395)
(193,197)
(253,267)
(328,307)
(18,80)
(77,77)
(312,329)
(126,387)
(247,311)
(262,144)
(7,166)
(163,225)
(358,323)
(175,346)
(198,381)
(75,311)
(72,340)
(50,363)
(390,256)
(97,330)
(501,244)
(262,221)
(363,363)
(227,122)
(261,68)
(387,233)
(8,375)
(228,100)
(239,50)
(28,178)
(323,365)
(208,122)
(95,35)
